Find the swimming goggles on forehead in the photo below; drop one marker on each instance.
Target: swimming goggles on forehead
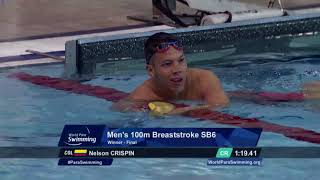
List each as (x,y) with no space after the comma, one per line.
(163,47)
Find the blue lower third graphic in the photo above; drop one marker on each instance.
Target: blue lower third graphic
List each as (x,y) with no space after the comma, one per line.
(235,162)
(100,135)
(85,162)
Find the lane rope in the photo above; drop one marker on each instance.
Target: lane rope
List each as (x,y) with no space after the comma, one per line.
(114,95)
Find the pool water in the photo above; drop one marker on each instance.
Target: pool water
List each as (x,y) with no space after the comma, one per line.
(32,115)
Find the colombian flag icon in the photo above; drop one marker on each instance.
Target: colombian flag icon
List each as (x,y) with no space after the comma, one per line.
(80,152)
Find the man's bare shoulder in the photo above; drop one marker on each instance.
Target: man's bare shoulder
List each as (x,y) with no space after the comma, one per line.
(143,92)
(201,74)
(210,88)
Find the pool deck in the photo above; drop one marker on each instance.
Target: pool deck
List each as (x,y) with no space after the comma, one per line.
(24,25)
(21,18)
(46,25)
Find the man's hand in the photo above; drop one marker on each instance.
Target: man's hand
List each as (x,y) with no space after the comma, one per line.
(163,108)
(183,110)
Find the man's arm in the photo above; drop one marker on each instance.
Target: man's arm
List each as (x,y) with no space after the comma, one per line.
(214,94)
(129,105)
(311,90)
(136,101)
(182,110)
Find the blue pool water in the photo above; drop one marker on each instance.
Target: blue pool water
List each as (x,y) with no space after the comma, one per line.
(31,115)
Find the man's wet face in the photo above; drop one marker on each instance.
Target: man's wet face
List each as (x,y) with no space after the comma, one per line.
(169,69)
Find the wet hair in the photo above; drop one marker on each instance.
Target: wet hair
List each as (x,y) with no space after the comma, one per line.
(155,40)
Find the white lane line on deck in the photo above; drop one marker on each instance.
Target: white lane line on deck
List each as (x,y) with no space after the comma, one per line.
(58,43)
(29,62)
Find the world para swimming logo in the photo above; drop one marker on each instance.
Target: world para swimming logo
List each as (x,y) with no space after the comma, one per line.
(81,135)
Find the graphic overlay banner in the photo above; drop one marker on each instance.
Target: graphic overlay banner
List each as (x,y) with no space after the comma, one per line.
(199,152)
(101,136)
(88,144)
(180,137)
(159,152)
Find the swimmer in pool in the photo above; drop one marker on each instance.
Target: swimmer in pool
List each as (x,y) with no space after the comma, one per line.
(170,80)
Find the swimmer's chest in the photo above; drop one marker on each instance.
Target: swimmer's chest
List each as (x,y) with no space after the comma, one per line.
(188,94)
(192,94)
(194,88)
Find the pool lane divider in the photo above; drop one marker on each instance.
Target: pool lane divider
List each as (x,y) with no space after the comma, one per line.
(115,95)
